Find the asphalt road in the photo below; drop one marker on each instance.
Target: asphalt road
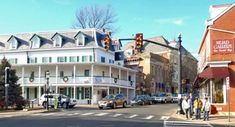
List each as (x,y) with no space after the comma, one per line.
(158,115)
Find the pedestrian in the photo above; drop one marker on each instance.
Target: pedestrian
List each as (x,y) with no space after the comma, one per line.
(197,107)
(59,101)
(191,106)
(206,109)
(180,109)
(186,107)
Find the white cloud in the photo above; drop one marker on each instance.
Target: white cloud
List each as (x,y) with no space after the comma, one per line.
(175,21)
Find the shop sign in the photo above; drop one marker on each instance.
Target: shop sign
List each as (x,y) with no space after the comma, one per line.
(223,46)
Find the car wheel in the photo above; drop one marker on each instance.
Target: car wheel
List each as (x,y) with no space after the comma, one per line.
(44,104)
(142,103)
(124,105)
(114,105)
(150,102)
(165,101)
(100,107)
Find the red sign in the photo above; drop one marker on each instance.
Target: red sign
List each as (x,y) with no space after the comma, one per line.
(223,46)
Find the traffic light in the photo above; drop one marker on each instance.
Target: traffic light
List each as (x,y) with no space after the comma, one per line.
(106,43)
(139,40)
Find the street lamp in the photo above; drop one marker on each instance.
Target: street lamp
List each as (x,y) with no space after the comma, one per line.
(7,73)
(180,65)
(47,86)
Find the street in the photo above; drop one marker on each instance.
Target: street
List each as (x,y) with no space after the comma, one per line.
(158,115)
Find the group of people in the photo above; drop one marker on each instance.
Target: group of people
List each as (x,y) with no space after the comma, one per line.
(189,107)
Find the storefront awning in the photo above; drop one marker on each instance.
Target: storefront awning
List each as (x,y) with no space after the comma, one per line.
(215,72)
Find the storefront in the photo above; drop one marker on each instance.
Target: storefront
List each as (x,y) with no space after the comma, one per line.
(216,68)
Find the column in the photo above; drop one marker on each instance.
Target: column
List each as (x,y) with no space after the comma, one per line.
(119,90)
(39,91)
(134,82)
(110,74)
(56,89)
(210,99)
(92,95)
(74,73)
(56,74)
(74,92)
(120,74)
(127,79)
(22,81)
(92,73)
(39,74)
(108,90)
(127,95)
(67,91)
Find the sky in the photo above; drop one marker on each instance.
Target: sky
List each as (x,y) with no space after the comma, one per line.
(165,18)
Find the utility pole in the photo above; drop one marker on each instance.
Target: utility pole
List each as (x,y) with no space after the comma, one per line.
(6,85)
(180,66)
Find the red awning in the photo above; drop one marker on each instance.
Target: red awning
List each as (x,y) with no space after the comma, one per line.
(215,72)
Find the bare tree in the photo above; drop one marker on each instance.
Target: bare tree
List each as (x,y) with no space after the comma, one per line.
(96,17)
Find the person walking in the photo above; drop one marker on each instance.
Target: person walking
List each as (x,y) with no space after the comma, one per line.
(197,106)
(186,107)
(206,109)
(190,106)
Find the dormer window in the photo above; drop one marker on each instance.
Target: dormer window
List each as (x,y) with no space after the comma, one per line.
(80,39)
(13,43)
(57,40)
(35,41)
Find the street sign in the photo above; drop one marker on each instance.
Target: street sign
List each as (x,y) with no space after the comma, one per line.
(227,82)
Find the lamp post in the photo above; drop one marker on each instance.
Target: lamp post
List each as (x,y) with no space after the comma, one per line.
(6,85)
(47,86)
(180,65)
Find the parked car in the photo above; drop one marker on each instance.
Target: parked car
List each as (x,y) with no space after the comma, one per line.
(51,100)
(163,98)
(112,101)
(175,98)
(147,99)
(138,100)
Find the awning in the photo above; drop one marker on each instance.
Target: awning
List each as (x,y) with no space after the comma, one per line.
(215,72)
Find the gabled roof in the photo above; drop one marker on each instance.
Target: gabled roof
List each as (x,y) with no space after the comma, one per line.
(33,37)
(12,36)
(55,35)
(79,32)
(221,14)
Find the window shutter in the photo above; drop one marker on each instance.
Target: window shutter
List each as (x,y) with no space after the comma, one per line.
(77,58)
(70,59)
(35,93)
(43,59)
(90,58)
(58,59)
(65,59)
(82,92)
(83,58)
(49,59)
(78,93)
(36,60)
(16,61)
(90,93)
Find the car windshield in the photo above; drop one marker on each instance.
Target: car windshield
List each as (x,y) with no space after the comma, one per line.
(110,97)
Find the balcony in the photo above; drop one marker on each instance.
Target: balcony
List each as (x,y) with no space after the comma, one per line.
(78,80)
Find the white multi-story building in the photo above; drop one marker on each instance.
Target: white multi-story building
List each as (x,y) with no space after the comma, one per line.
(79,65)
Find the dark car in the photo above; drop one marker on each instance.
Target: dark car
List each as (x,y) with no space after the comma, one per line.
(138,100)
(112,101)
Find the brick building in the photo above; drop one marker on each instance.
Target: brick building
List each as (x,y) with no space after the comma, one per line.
(216,59)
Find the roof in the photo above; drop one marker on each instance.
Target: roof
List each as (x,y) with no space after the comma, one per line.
(94,39)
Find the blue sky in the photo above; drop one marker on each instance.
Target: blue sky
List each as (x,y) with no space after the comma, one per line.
(151,17)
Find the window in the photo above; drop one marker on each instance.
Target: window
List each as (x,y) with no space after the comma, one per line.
(77,58)
(45,73)
(84,58)
(57,40)
(72,59)
(13,43)
(61,59)
(80,40)
(32,60)
(90,58)
(102,59)
(110,61)
(46,59)
(35,42)
(86,73)
(103,74)
(61,74)
(87,93)
(12,61)
(217,91)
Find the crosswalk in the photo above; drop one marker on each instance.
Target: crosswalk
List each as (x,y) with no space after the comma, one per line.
(186,124)
(101,114)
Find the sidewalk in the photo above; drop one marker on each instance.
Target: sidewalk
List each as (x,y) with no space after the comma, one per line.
(214,119)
